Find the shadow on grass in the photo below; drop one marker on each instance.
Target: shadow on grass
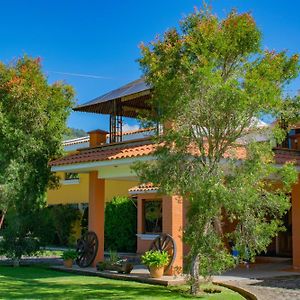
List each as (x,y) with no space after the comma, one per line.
(39,283)
(29,290)
(28,272)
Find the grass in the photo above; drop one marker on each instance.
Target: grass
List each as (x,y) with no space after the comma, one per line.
(49,253)
(41,283)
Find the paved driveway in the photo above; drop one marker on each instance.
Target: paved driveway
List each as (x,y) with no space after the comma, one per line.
(270,281)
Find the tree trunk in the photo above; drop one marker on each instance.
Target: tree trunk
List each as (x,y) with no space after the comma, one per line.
(195,285)
(195,267)
(2,218)
(16,262)
(218,225)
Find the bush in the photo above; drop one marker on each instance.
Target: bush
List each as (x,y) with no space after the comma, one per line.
(63,217)
(25,233)
(155,258)
(84,224)
(120,225)
(69,254)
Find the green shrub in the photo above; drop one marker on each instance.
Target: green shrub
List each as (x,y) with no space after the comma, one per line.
(84,224)
(25,233)
(62,219)
(155,258)
(69,254)
(101,266)
(113,256)
(120,225)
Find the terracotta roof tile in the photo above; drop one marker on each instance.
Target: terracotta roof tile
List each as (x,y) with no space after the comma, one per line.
(80,140)
(127,149)
(85,139)
(144,187)
(108,152)
(140,130)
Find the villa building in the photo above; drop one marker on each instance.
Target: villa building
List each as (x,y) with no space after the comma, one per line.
(102,164)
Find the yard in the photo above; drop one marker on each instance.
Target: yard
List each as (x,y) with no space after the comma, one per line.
(41,283)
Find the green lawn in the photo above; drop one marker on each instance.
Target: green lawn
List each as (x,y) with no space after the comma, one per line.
(41,283)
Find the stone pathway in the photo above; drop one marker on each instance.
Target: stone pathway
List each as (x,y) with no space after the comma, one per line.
(266,281)
(271,289)
(138,274)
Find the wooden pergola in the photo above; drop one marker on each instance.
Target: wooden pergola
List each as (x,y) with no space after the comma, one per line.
(130,100)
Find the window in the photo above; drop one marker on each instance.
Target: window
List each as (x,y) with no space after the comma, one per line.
(71,176)
(152,214)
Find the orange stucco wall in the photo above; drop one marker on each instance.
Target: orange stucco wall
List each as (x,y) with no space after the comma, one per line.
(173,224)
(96,211)
(296,224)
(115,188)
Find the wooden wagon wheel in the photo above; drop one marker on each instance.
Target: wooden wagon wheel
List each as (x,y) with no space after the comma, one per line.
(87,247)
(165,242)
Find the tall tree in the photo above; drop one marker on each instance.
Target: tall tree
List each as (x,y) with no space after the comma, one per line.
(211,82)
(33,118)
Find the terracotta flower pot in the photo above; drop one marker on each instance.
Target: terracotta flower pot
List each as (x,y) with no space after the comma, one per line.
(68,263)
(156,272)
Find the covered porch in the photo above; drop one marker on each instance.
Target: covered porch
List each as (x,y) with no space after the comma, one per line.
(106,163)
(111,159)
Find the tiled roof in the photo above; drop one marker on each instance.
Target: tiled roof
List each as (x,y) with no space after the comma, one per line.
(144,187)
(108,152)
(128,132)
(80,140)
(127,149)
(236,152)
(145,146)
(85,139)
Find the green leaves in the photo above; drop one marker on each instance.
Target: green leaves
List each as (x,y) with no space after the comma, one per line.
(33,118)
(120,236)
(155,258)
(212,80)
(69,254)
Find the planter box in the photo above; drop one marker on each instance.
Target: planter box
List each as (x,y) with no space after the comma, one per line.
(118,267)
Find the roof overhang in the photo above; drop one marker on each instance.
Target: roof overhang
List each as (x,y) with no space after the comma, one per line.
(129,100)
(96,165)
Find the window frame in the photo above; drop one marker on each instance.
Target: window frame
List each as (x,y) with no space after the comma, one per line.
(144,201)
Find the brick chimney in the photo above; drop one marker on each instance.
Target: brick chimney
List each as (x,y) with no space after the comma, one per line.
(97,137)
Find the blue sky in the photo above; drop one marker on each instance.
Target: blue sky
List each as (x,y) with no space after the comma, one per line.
(101,38)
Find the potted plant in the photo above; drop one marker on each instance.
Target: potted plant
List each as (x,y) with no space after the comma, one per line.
(115,263)
(68,256)
(156,261)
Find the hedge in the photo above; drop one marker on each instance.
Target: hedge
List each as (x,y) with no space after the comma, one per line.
(120,225)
